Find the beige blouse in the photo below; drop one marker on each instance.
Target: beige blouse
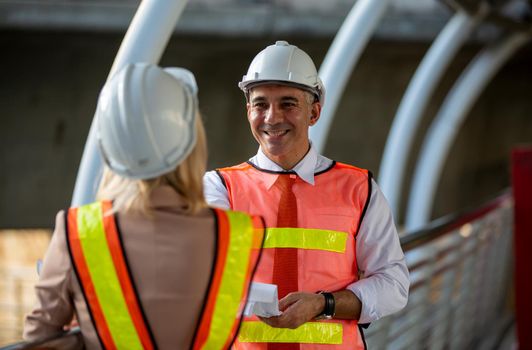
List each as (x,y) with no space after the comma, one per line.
(170,256)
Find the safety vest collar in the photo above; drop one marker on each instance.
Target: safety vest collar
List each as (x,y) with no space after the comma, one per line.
(333,164)
(268,176)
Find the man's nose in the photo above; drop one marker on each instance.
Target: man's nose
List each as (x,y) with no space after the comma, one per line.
(273,115)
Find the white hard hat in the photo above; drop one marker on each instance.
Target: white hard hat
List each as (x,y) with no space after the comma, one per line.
(146,120)
(286,64)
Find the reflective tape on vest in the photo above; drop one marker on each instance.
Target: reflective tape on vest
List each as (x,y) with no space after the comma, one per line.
(239,241)
(100,264)
(308,333)
(302,238)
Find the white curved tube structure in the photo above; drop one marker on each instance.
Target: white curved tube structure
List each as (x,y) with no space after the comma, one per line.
(414,102)
(145,41)
(342,56)
(448,121)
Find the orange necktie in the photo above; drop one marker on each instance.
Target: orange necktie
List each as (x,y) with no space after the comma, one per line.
(285,259)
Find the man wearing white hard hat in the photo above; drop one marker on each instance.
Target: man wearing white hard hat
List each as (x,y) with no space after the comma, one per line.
(331,245)
(149,265)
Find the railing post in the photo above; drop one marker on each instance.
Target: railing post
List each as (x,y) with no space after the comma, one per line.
(522,191)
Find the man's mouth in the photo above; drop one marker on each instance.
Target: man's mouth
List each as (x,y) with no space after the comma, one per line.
(276,133)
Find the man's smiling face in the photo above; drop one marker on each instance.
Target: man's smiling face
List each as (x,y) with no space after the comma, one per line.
(279,117)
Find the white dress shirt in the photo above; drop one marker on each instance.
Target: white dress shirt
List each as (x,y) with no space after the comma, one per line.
(383,287)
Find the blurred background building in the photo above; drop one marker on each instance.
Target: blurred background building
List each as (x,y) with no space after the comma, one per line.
(56,56)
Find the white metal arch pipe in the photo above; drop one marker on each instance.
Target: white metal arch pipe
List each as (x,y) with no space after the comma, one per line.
(341,57)
(448,121)
(145,41)
(415,100)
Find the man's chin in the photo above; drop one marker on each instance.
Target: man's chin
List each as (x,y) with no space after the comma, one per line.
(275,152)
(276,149)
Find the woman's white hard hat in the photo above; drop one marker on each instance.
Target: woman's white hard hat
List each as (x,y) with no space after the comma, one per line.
(283,64)
(146,119)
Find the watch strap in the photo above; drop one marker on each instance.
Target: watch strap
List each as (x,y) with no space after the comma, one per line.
(329,308)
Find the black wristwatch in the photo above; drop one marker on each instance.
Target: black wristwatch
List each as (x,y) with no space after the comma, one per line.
(328,309)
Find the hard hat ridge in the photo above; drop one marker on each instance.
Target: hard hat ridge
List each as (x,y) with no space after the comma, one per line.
(146,120)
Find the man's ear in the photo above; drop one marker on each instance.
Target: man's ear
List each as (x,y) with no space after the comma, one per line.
(316,112)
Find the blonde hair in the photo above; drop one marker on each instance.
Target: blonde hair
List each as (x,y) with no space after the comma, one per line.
(186,179)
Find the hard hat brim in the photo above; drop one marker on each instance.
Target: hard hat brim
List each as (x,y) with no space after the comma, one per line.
(248,87)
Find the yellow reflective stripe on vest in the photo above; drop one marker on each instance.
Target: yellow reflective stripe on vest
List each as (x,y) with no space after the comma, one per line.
(309,333)
(106,284)
(305,238)
(241,240)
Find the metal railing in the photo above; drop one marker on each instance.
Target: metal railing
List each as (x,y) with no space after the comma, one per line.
(460,279)
(55,341)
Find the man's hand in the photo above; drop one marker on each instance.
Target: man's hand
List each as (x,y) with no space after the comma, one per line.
(297,308)
(301,307)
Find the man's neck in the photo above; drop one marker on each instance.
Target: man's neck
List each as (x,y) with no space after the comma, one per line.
(287,163)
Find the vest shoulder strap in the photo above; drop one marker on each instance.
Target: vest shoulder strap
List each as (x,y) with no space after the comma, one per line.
(240,238)
(239,241)
(352,167)
(241,166)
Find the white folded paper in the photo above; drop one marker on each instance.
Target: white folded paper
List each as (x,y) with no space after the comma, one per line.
(262,300)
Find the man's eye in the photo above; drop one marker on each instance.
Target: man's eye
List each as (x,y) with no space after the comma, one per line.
(259,105)
(288,104)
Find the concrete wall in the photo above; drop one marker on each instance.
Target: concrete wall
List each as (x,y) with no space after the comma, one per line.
(50,83)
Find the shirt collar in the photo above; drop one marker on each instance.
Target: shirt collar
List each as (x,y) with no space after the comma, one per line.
(304,169)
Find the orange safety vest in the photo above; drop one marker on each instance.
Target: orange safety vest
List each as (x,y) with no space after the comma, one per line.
(98,258)
(329,216)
